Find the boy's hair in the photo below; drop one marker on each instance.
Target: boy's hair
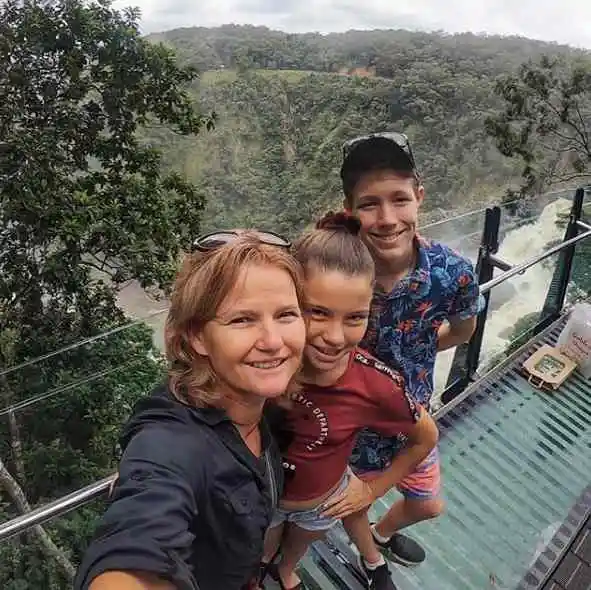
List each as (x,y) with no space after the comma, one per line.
(375,153)
(335,244)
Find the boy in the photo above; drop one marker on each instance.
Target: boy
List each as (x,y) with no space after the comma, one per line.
(426,300)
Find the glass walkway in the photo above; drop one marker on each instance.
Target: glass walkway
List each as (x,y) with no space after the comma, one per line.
(515,461)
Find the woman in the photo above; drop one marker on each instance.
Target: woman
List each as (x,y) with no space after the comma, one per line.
(343,390)
(199,477)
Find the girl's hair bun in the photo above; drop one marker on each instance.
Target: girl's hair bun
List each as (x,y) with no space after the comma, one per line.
(341,221)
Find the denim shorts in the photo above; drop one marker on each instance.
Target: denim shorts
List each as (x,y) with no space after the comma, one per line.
(312,519)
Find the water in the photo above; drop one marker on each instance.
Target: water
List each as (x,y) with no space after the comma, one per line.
(520,295)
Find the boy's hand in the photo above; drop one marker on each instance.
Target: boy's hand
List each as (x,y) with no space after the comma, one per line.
(357,496)
(454,333)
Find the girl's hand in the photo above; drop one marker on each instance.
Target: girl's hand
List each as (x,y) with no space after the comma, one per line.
(357,496)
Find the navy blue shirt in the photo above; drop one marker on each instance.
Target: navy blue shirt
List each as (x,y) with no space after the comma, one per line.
(191,503)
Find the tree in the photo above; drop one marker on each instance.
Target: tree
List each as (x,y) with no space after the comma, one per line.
(546,121)
(64,441)
(522,331)
(85,206)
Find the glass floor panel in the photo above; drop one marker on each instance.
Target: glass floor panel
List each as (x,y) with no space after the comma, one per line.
(514,460)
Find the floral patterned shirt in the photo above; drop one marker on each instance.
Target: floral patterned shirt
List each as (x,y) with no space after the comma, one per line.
(403,324)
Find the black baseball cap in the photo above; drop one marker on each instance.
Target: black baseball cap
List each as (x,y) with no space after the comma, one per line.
(387,150)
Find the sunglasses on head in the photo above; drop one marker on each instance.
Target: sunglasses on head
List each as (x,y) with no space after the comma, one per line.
(218,239)
(399,139)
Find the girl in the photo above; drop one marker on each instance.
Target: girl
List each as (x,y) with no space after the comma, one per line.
(199,477)
(343,389)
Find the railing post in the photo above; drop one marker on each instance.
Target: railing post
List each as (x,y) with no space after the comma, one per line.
(559,285)
(467,355)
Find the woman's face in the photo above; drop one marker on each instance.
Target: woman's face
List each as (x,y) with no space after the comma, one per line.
(255,342)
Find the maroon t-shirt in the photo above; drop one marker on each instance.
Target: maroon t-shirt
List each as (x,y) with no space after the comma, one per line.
(325,420)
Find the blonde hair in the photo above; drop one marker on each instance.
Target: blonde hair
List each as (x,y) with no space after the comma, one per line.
(204,280)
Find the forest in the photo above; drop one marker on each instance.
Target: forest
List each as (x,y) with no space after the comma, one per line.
(116,150)
(285,103)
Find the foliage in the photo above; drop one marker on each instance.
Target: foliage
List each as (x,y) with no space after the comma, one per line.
(84,207)
(286,102)
(385,52)
(437,87)
(274,157)
(546,121)
(521,332)
(68,439)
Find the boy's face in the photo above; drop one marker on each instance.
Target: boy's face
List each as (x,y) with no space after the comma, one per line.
(387,205)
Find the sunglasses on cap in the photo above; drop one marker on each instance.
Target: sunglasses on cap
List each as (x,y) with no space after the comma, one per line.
(218,239)
(398,139)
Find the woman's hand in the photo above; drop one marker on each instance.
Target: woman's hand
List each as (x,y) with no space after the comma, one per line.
(357,496)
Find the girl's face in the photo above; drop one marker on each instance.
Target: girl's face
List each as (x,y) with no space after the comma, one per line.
(256,340)
(336,309)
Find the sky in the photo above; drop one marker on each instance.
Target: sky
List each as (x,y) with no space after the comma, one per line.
(563,21)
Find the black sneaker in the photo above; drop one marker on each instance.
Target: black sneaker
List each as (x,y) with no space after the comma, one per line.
(402,549)
(378,578)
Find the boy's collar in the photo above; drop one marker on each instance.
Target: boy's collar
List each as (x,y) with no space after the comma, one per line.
(422,272)
(420,276)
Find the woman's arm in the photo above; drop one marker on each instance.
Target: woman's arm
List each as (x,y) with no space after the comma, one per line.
(144,540)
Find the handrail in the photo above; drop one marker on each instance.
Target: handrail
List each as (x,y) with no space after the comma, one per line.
(58,507)
(78,498)
(519,268)
(62,506)
(83,496)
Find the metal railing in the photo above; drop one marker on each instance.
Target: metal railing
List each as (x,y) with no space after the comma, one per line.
(55,509)
(487,256)
(511,271)
(467,356)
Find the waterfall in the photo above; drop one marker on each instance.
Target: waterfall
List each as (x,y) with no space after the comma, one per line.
(520,295)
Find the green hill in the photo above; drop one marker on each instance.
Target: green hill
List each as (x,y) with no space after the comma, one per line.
(287,102)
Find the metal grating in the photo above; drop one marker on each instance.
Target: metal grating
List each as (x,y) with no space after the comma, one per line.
(515,461)
(552,561)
